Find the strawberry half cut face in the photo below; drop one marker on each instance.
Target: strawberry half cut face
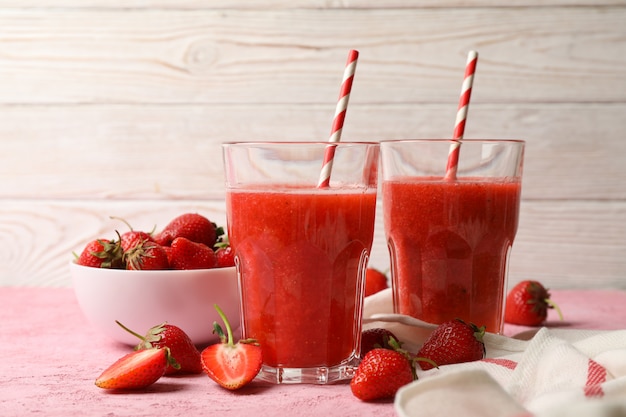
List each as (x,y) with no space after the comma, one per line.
(231,365)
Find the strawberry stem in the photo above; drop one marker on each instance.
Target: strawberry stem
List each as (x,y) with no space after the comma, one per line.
(427,360)
(229,331)
(129,226)
(553,305)
(123,221)
(396,345)
(130,331)
(148,345)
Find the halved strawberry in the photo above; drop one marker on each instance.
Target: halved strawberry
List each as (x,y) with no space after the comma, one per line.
(231,365)
(136,370)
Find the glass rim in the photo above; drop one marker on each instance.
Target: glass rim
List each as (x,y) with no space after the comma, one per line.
(298,143)
(442,140)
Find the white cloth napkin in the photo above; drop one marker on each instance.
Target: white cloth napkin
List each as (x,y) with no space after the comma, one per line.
(547,373)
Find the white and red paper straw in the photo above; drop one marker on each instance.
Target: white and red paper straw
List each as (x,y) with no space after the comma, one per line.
(461,115)
(340,116)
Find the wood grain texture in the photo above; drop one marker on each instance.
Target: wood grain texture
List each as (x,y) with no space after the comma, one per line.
(111,107)
(563,54)
(571,244)
(296,4)
(573,151)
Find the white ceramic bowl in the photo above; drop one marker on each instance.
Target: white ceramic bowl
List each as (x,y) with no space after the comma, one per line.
(142,299)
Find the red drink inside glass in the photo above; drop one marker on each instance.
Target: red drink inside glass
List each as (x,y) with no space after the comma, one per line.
(302,255)
(449,243)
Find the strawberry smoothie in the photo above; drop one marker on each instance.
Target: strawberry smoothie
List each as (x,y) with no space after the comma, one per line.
(449,242)
(301,256)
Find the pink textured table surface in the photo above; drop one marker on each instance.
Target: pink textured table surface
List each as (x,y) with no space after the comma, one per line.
(51,357)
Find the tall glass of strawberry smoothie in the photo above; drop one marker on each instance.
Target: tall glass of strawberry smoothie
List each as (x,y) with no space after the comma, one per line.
(301,252)
(450,239)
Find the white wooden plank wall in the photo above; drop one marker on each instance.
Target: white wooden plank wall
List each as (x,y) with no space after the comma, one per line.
(111,107)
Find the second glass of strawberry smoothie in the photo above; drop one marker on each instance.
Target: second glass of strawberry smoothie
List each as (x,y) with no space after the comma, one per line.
(301,252)
(450,237)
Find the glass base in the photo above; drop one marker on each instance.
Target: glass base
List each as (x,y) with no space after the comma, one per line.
(318,375)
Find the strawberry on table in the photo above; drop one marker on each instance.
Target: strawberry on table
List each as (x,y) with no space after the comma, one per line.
(376,338)
(192,226)
(177,341)
(135,370)
(186,254)
(527,304)
(102,253)
(231,365)
(381,373)
(453,342)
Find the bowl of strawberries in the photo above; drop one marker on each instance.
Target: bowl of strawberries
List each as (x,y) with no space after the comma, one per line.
(142,279)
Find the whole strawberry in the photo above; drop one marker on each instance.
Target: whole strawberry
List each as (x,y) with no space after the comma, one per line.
(177,341)
(375,281)
(186,254)
(102,253)
(192,226)
(453,342)
(231,365)
(168,252)
(132,238)
(527,304)
(225,256)
(146,255)
(224,253)
(136,370)
(381,373)
(376,338)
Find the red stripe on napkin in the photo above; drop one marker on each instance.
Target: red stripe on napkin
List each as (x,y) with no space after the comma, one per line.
(596,376)
(507,363)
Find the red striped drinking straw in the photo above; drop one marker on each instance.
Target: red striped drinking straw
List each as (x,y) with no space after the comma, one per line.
(461,115)
(340,116)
